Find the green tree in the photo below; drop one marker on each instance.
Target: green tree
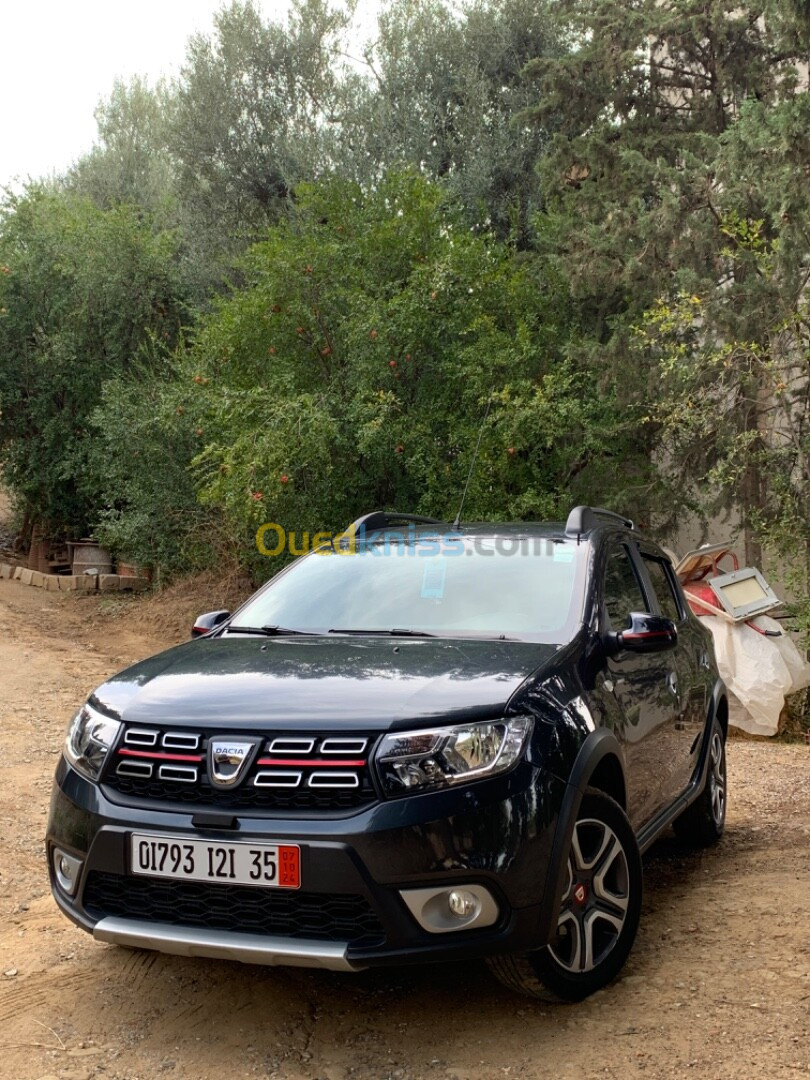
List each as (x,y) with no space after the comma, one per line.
(445,94)
(85,295)
(263,106)
(141,488)
(354,368)
(131,163)
(733,406)
(255,104)
(641,204)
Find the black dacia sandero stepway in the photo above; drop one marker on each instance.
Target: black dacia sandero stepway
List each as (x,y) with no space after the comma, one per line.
(418,743)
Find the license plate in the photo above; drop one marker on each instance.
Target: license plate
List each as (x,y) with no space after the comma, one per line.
(273,866)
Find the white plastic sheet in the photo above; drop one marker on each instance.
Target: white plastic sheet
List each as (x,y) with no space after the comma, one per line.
(760,671)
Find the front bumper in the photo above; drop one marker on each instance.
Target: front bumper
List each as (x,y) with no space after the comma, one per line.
(496,833)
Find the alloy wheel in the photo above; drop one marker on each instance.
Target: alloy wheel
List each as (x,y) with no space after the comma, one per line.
(717,779)
(596,898)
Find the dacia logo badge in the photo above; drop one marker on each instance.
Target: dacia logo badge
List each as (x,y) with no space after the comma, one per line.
(228,760)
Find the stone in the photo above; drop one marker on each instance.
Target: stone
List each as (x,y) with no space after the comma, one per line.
(136,584)
(17,573)
(26,575)
(52,583)
(38,579)
(109,582)
(6,571)
(86,582)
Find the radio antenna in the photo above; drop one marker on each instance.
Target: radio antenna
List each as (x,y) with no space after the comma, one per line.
(457,521)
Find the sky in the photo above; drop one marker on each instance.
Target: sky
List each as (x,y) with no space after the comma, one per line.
(59,58)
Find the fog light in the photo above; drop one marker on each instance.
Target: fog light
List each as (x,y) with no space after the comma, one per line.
(461,903)
(444,910)
(67,869)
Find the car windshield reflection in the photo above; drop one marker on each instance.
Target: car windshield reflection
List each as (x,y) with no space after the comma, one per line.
(522,588)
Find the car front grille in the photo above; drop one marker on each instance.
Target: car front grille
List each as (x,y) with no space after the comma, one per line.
(315,772)
(278,912)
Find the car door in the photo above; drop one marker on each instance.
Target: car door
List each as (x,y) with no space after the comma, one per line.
(643,685)
(687,660)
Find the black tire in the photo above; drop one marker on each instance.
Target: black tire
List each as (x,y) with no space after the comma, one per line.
(599,915)
(703,823)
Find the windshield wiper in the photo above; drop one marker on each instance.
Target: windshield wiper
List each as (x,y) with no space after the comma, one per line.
(386,633)
(267,631)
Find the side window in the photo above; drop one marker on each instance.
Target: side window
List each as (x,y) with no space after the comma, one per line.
(622,590)
(662,583)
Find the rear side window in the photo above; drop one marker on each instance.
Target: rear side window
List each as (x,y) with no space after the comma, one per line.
(664,589)
(623,592)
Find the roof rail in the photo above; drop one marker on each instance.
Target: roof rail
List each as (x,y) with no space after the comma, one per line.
(583,519)
(384,519)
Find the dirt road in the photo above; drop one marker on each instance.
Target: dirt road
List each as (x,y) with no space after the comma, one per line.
(718,984)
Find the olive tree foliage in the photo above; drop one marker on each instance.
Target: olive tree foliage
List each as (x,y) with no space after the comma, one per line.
(354,368)
(264,105)
(256,104)
(85,295)
(651,197)
(444,92)
(131,163)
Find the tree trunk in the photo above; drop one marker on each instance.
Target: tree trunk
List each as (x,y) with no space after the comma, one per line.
(751,493)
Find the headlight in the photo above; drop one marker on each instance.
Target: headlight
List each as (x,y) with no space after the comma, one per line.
(439,757)
(89,738)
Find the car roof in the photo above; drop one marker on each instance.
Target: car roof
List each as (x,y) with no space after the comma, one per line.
(513,529)
(509,530)
(581,521)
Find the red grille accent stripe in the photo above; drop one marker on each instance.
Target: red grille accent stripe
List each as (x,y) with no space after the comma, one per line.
(163,757)
(312,761)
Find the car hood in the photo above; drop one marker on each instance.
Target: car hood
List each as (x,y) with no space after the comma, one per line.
(237,682)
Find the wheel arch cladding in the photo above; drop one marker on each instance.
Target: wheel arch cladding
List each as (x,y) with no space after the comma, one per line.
(599,756)
(608,777)
(721,709)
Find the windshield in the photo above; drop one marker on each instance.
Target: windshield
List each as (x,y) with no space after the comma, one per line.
(526,588)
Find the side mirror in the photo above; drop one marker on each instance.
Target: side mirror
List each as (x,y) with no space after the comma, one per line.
(646,634)
(209,621)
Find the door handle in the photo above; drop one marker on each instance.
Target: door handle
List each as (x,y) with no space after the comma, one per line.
(672,683)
